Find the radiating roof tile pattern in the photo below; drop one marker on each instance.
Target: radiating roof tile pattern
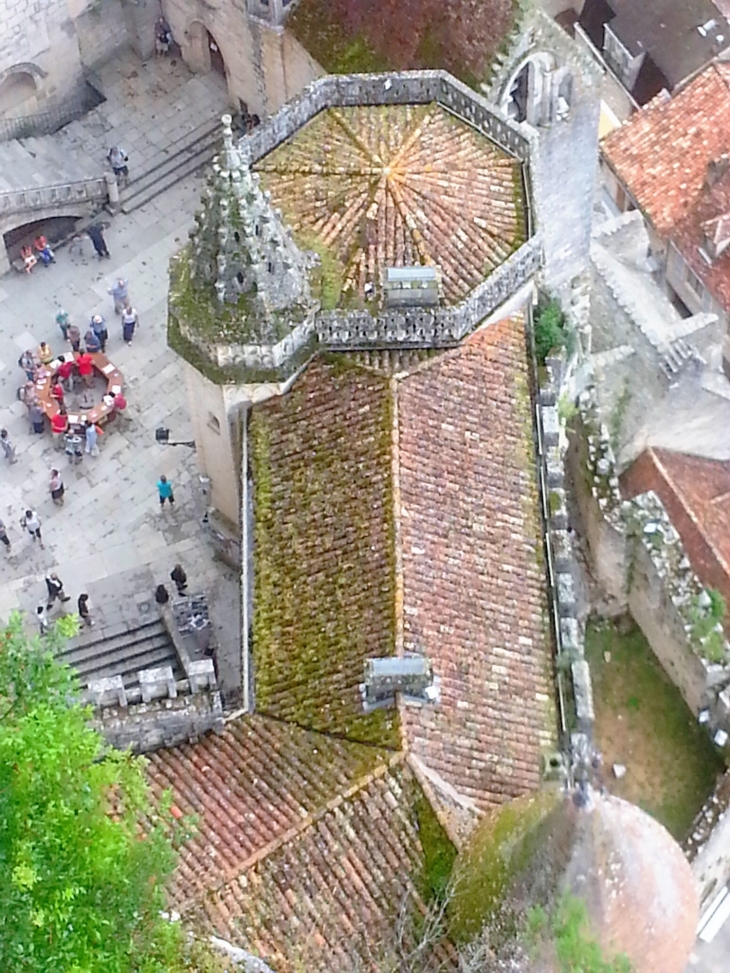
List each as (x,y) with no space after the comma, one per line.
(332,892)
(248,788)
(324,584)
(398,185)
(473,576)
(661,154)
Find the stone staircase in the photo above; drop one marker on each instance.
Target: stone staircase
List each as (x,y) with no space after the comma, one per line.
(35,173)
(121,651)
(678,358)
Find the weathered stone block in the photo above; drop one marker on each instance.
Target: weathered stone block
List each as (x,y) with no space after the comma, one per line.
(582,691)
(566,594)
(550,425)
(570,636)
(108,691)
(157,683)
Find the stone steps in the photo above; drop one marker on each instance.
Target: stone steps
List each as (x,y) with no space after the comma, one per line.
(677,358)
(190,152)
(121,651)
(38,161)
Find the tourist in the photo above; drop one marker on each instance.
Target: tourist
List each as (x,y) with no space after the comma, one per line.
(74,336)
(85,365)
(43,250)
(28,257)
(28,395)
(57,393)
(96,235)
(28,362)
(57,488)
(44,355)
(163,37)
(180,578)
(32,523)
(4,537)
(91,340)
(119,406)
(91,434)
(98,326)
(36,416)
(59,427)
(66,372)
(118,160)
(55,590)
(119,294)
(7,447)
(41,614)
(162,595)
(164,489)
(84,612)
(129,322)
(63,321)
(41,373)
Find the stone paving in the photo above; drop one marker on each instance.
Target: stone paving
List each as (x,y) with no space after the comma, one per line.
(110,538)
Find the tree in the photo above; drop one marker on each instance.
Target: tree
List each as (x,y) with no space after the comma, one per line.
(84,856)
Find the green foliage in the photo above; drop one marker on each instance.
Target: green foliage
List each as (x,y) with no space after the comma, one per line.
(438,851)
(707,633)
(550,330)
(567,928)
(328,277)
(567,409)
(81,884)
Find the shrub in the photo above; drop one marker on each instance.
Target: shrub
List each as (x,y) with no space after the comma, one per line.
(550,330)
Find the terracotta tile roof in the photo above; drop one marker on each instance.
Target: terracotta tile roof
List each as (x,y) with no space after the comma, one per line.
(331,893)
(383,186)
(689,237)
(249,788)
(662,153)
(696,494)
(461,36)
(473,579)
(324,585)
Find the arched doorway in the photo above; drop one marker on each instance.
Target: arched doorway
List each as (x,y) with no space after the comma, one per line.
(17,94)
(528,96)
(519,93)
(202,52)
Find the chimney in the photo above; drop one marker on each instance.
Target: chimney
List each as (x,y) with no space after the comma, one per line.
(717,235)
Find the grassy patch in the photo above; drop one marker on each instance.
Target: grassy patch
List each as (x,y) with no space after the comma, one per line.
(568,931)
(643,722)
(438,851)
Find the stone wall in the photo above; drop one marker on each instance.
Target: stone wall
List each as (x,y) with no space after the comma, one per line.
(102,31)
(163,723)
(708,844)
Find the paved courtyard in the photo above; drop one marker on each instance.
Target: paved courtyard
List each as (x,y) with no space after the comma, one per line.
(110,538)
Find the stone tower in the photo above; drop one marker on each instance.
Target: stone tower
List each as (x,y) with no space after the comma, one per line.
(241,314)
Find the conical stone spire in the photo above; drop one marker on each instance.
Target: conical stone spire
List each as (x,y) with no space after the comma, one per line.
(240,244)
(240,291)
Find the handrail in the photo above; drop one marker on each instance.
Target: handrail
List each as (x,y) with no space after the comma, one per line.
(50,121)
(55,194)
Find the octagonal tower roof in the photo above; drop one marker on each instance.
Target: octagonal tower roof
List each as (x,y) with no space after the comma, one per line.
(376,186)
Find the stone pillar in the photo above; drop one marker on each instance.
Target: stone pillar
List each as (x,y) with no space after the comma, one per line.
(112,188)
(141,16)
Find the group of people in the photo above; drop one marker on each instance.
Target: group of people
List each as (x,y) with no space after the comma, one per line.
(43,251)
(178,575)
(56,593)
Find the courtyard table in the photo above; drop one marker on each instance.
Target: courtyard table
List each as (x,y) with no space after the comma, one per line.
(101,411)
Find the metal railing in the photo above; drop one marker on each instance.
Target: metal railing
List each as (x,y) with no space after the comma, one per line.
(50,121)
(93,189)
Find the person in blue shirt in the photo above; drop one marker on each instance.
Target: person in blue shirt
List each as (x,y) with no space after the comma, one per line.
(98,326)
(164,489)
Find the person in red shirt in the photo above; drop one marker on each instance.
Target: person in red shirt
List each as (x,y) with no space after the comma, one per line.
(120,407)
(44,251)
(59,427)
(57,393)
(85,365)
(65,374)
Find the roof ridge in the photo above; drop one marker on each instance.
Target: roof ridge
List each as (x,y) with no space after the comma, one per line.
(298,830)
(690,513)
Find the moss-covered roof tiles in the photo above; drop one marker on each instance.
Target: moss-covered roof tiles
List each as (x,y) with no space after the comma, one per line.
(397,185)
(473,576)
(324,596)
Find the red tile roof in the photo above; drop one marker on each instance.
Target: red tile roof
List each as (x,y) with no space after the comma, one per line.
(689,237)
(696,494)
(473,579)
(250,787)
(661,154)
(394,185)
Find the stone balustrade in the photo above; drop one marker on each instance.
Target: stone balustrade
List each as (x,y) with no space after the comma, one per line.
(47,197)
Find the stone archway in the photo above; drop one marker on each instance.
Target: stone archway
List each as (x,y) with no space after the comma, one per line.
(18,94)
(527,96)
(202,52)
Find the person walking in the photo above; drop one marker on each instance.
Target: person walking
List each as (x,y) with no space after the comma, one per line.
(96,235)
(4,539)
(164,489)
(36,416)
(55,590)
(32,523)
(91,435)
(130,320)
(63,321)
(7,447)
(119,294)
(74,336)
(57,488)
(180,578)
(98,326)
(118,160)
(84,610)
(41,614)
